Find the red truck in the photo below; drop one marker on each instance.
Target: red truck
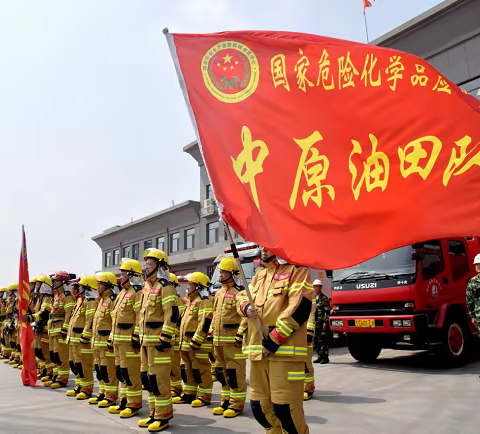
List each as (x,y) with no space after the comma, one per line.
(410,298)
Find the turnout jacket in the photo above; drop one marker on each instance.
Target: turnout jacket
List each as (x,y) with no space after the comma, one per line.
(195,325)
(282,294)
(61,312)
(80,326)
(159,313)
(226,318)
(125,316)
(102,319)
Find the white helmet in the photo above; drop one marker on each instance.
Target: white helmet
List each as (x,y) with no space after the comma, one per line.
(320,281)
(476,260)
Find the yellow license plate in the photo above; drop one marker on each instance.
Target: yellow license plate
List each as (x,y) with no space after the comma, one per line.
(365,323)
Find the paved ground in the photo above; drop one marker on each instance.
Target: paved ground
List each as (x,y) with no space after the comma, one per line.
(402,393)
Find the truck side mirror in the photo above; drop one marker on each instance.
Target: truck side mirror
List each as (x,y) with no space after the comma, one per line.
(416,256)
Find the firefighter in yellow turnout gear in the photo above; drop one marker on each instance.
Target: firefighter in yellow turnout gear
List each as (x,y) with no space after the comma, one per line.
(15,343)
(39,321)
(8,328)
(194,347)
(125,339)
(157,319)
(104,357)
(176,373)
(79,337)
(230,362)
(282,296)
(309,385)
(63,304)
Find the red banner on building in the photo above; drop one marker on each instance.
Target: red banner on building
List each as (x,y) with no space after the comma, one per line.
(29,369)
(330,152)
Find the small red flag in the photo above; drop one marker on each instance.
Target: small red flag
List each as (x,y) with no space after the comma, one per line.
(29,370)
(366,4)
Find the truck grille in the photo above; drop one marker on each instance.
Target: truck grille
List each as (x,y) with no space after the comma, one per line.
(381,308)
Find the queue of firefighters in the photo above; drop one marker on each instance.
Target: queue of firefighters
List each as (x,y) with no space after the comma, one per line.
(143,335)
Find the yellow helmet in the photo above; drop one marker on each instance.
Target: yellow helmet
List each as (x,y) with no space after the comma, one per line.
(33,279)
(131,265)
(89,282)
(155,253)
(45,279)
(229,264)
(2,289)
(106,277)
(13,287)
(173,279)
(198,278)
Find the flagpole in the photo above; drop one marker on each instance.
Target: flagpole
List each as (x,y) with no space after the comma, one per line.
(366,26)
(244,279)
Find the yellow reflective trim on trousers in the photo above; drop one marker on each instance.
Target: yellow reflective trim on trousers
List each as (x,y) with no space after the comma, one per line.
(252,349)
(176,383)
(206,346)
(131,354)
(202,390)
(190,388)
(201,356)
(238,395)
(163,402)
(309,379)
(240,357)
(110,387)
(151,399)
(63,372)
(100,344)
(132,393)
(62,341)
(296,376)
(86,351)
(150,338)
(109,354)
(162,360)
(44,340)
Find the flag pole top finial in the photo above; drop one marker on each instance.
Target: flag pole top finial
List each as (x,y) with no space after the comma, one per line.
(165,30)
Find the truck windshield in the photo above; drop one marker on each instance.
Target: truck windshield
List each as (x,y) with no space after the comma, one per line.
(393,263)
(248,269)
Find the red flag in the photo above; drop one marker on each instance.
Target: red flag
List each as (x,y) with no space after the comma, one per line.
(29,370)
(330,152)
(366,4)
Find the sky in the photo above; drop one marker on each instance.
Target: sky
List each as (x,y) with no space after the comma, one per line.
(92,119)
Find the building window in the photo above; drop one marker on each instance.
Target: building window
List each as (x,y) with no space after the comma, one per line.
(161,243)
(108,259)
(116,257)
(126,252)
(432,259)
(174,242)
(135,251)
(458,259)
(189,238)
(208,191)
(212,233)
(147,244)
(472,87)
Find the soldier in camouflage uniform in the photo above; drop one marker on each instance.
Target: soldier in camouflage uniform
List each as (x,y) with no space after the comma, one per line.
(473,294)
(322,315)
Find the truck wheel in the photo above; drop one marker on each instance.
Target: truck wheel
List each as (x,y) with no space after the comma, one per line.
(454,343)
(365,349)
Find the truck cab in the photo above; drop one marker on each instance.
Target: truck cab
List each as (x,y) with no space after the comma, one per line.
(409,298)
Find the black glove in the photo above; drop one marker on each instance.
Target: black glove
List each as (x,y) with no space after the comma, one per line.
(84,340)
(135,344)
(163,346)
(270,345)
(109,345)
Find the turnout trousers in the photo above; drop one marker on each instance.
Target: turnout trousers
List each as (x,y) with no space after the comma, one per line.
(127,368)
(276,396)
(199,376)
(309,385)
(82,357)
(104,361)
(230,366)
(155,375)
(59,356)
